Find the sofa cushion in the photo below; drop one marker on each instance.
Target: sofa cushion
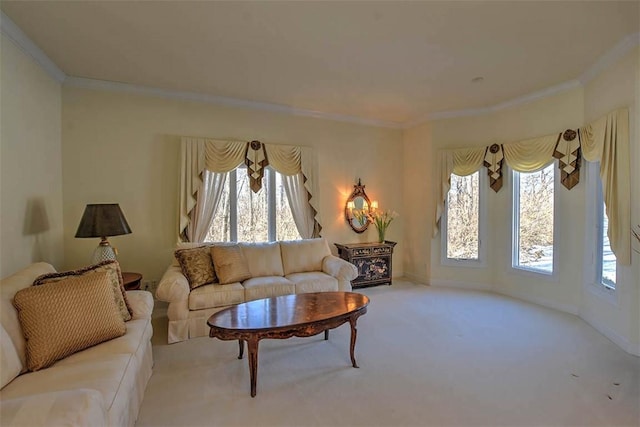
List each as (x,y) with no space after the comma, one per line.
(230,263)
(188,245)
(80,407)
(263,259)
(266,287)
(212,296)
(59,319)
(299,256)
(8,313)
(112,268)
(10,365)
(313,282)
(197,265)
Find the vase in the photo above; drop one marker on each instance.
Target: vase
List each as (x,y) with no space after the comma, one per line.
(381,235)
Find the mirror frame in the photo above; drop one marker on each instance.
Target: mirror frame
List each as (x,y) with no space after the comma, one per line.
(358,191)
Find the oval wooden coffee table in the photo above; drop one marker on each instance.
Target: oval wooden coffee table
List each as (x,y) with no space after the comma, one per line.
(283,317)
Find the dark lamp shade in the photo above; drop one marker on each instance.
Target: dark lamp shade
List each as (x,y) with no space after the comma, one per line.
(102,220)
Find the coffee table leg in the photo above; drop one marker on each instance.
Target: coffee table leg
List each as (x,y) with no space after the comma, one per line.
(326,334)
(241,345)
(252,343)
(354,334)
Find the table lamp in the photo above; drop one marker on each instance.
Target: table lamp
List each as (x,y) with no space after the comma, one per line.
(103,220)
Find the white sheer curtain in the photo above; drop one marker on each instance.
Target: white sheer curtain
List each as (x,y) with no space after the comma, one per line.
(208,199)
(205,164)
(303,213)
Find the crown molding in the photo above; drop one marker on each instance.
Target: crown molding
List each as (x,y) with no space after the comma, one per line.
(13,32)
(610,57)
(85,83)
(606,60)
(521,100)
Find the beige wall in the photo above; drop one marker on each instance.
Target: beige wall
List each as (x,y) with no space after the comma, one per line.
(124,148)
(618,317)
(30,163)
(546,116)
(617,87)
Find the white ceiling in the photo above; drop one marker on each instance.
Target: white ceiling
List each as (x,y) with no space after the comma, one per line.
(392,62)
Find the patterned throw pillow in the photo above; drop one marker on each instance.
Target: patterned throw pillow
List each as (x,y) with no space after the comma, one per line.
(64,317)
(197,266)
(230,263)
(115,279)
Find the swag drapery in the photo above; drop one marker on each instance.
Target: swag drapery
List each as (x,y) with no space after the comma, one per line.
(606,140)
(205,164)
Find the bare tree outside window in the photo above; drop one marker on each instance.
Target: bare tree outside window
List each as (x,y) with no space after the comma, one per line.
(463,214)
(250,221)
(534,199)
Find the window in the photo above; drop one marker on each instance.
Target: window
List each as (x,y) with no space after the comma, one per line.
(605,258)
(533,206)
(461,237)
(245,216)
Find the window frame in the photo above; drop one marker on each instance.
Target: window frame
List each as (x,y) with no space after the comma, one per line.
(268,185)
(482,229)
(515,225)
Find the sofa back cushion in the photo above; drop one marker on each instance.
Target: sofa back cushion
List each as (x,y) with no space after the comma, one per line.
(8,314)
(229,263)
(300,256)
(64,317)
(263,259)
(10,365)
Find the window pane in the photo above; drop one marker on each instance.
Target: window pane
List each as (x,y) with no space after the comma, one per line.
(535,219)
(463,213)
(252,210)
(285,226)
(608,258)
(219,231)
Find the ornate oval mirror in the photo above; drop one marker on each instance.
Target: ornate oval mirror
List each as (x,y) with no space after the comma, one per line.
(357,208)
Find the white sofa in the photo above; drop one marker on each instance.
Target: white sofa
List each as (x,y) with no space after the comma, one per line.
(277,268)
(100,386)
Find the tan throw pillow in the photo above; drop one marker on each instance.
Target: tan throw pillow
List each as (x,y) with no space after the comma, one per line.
(115,279)
(197,265)
(59,319)
(230,263)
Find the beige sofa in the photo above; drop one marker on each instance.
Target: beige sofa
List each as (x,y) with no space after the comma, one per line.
(277,268)
(100,386)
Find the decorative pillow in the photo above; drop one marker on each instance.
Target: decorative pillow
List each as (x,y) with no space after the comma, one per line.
(115,279)
(59,319)
(197,265)
(230,263)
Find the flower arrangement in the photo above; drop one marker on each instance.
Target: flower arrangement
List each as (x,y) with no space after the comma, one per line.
(381,219)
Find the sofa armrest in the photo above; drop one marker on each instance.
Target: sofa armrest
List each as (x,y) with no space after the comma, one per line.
(339,268)
(173,286)
(141,303)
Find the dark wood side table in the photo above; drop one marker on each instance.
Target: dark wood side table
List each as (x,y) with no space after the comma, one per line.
(373,261)
(132,281)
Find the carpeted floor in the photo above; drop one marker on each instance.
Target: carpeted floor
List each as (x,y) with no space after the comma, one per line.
(427,356)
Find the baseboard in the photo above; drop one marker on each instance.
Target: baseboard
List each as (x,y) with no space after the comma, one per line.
(445,283)
(414,278)
(566,308)
(618,339)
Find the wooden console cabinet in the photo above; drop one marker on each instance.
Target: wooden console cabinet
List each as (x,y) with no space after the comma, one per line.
(373,261)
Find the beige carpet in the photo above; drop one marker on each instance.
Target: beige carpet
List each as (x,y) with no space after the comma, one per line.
(427,356)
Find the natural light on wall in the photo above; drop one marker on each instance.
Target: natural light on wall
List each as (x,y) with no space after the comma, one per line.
(533,201)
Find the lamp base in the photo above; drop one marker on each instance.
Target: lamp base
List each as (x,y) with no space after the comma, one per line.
(103,253)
